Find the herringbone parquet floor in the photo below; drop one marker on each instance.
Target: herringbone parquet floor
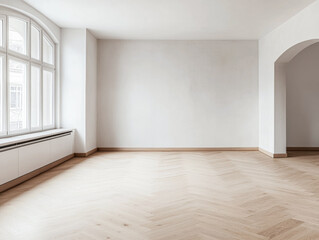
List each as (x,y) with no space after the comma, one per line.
(168,196)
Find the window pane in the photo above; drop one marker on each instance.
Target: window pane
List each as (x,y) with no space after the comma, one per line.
(35,97)
(17,95)
(1,32)
(35,43)
(1,95)
(17,35)
(47,98)
(47,51)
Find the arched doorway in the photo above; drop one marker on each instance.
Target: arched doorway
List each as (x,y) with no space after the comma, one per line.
(280,104)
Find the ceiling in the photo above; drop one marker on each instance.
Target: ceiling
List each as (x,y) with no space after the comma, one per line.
(171,19)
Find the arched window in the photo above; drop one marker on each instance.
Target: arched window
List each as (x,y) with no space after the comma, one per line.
(27,76)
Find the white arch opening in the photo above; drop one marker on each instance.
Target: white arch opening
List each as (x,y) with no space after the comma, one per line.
(280,104)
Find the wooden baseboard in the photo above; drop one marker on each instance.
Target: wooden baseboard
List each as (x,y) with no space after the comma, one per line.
(280,155)
(103,149)
(302,148)
(86,154)
(30,175)
(273,155)
(269,154)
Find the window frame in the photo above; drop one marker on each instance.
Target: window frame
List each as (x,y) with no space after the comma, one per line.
(8,54)
(4,95)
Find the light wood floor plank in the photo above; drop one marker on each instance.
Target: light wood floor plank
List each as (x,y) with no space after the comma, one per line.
(168,196)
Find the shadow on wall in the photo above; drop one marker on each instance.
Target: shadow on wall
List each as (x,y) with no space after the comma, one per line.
(109,101)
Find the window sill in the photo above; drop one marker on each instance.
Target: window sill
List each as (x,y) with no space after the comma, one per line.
(31,136)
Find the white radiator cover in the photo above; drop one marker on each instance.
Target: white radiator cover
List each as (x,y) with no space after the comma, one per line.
(22,160)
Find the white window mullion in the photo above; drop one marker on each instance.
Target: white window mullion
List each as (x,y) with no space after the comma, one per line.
(3,91)
(41,98)
(29,76)
(29,98)
(3,129)
(6,79)
(41,74)
(53,100)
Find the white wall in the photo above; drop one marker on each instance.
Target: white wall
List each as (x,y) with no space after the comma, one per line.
(73,80)
(78,86)
(300,28)
(303,99)
(91,91)
(177,93)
